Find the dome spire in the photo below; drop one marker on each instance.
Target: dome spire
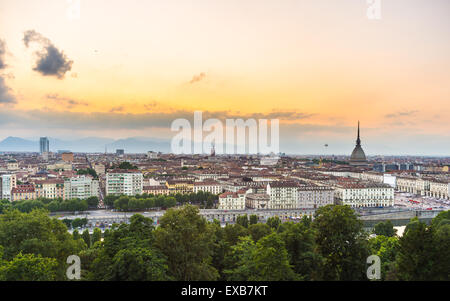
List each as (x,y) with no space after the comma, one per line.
(358,141)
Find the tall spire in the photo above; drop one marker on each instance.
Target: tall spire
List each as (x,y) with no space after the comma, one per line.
(358,141)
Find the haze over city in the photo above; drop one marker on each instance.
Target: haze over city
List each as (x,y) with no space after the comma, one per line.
(318,66)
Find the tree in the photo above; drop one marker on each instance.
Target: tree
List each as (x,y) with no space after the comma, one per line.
(93,202)
(122,203)
(136,235)
(109,200)
(254,219)
(37,233)
(242,220)
(240,262)
(386,248)
(76,235)
(299,240)
(138,264)
(416,253)
(79,222)
(266,260)
(342,243)
(127,165)
(186,239)
(274,222)
(385,228)
(86,237)
(258,231)
(272,260)
(29,267)
(96,236)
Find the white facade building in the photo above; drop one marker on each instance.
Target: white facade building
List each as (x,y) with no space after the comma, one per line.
(82,187)
(211,187)
(122,182)
(365,195)
(8,182)
(232,200)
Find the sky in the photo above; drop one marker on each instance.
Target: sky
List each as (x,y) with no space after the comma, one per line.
(123,69)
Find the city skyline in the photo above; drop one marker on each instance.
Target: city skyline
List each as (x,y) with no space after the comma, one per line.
(317,66)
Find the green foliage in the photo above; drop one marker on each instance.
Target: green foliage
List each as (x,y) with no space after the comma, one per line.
(415,258)
(385,228)
(96,236)
(86,237)
(242,220)
(386,248)
(138,264)
(127,166)
(127,254)
(89,171)
(267,260)
(29,267)
(258,231)
(187,240)
(93,202)
(36,233)
(79,222)
(300,243)
(342,243)
(56,205)
(253,219)
(274,222)
(205,200)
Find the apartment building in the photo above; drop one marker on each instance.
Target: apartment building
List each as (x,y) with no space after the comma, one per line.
(208,186)
(232,200)
(180,186)
(124,182)
(81,187)
(7,183)
(313,196)
(364,194)
(156,190)
(283,195)
(23,192)
(50,189)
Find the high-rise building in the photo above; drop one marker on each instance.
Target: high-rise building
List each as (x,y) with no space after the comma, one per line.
(44,145)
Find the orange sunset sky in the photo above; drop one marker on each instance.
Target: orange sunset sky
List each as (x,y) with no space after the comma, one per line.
(318,66)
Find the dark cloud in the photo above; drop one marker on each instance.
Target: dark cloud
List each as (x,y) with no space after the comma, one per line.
(401,114)
(198,78)
(117,109)
(68,102)
(116,119)
(5,93)
(2,55)
(294,137)
(50,60)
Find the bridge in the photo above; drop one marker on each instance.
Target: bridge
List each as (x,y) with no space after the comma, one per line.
(224,216)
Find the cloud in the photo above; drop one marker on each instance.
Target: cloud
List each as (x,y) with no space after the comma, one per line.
(198,78)
(68,102)
(5,93)
(401,114)
(2,54)
(297,138)
(50,60)
(117,109)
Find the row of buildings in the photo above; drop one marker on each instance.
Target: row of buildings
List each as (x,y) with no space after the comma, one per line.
(79,187)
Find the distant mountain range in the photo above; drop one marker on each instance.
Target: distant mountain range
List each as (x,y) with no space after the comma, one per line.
(91,145)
